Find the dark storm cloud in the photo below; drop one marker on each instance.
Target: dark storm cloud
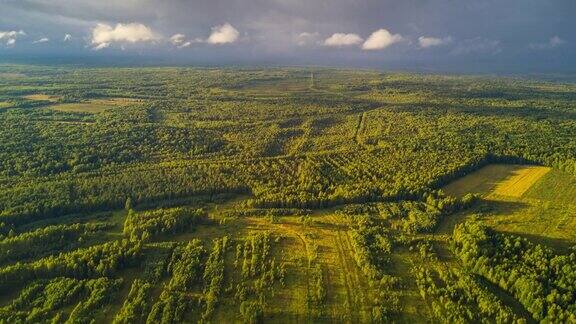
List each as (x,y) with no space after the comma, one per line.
(294,31)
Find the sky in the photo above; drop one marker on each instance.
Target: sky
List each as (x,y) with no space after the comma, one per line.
(526,36)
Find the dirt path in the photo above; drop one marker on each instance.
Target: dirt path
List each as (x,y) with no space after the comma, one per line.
(357,291)
(343,275)
(301,238)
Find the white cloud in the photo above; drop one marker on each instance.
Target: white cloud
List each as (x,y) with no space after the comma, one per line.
(101,46)
(41,40)
(223,34)
(340,39)
(381,39)
(556,41)
(104,35)
(306,38)
(552,43)
(177,39)
(426,42)
(477,45)
(67,37)
(10,36)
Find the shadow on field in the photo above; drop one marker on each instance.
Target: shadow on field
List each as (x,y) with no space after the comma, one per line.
(499,207)
(482,209)
(507,299)
(559,245)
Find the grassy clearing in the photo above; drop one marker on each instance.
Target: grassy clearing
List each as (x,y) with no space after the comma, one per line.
(92,106)
(415,308)
(555,186)
(536,202)
(41,97)
(325,243)
(12,75)
(540,221)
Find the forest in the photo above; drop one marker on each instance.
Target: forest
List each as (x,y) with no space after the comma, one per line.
(272,195)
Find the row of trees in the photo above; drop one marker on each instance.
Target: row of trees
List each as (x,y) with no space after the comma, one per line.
(148,224)
(372,247)
(260,274)
(27,201)
(99,260)
(214,276)
(42,300)
(102,292)
(52,239)
(136,305)
(186,267)
(456,297)
(193,268)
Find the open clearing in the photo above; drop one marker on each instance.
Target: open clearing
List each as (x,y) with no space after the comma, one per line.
(556,186)
(536,202)
(11,75)
(325,243)
(41,97)
(92,106)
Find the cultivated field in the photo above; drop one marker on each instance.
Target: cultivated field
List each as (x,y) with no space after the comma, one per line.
(520,181)
(498,179)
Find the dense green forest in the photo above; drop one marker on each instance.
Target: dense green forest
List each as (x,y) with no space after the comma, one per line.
(168,195)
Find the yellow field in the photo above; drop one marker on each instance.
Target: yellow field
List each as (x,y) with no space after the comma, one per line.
(92,106)
(520,181)
(498,179)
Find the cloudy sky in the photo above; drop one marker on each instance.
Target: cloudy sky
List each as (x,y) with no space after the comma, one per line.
(491,35)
